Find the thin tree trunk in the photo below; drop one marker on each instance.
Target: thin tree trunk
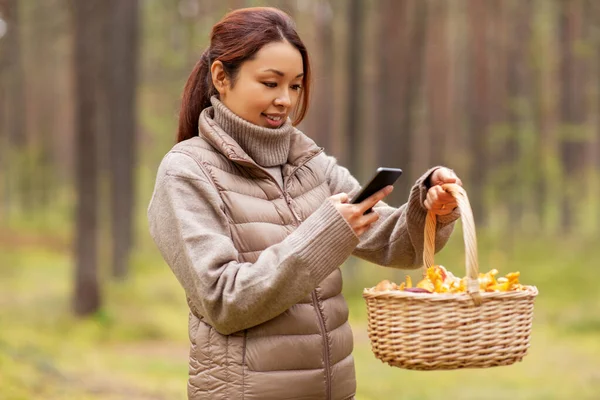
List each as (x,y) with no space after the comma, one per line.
(401,52)
(548,186)
(16,105)
(392,49)
(457,75)
(520,85)
(43,106)
(572,108)
(479,102)
(415,57)
(588,197)
(323,87)
(497,154)
(4,141)
(596,14)
(355,62)
(438,81)
(122,130)
(88,17)
(17,183)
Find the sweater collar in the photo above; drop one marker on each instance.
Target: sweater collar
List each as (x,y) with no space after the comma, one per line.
(240,140)
(266,146)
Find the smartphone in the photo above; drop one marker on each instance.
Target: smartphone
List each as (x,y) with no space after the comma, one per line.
(382,178)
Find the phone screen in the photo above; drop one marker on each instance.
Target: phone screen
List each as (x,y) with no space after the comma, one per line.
(382,178)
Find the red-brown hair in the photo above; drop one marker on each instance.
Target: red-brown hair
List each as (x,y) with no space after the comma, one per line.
(233,40)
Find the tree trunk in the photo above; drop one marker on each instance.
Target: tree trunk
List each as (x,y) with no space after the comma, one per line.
(17,183)
(415,56)
(42,103)
(519,86)
(88,17)
(402,38)
(323,87)
(497,150)
(122,129)
(572,108)
(355,40)
(479,103)
(589,195)
(16,105)
(4,141)
(390,42)
(458,104)
(548,187)
(596,14)
(438,81)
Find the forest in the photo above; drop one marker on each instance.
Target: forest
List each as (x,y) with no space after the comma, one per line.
(504,92)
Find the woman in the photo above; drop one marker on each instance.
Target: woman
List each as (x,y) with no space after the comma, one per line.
(253,218)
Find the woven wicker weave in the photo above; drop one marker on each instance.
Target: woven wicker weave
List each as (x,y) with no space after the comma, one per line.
(424,331)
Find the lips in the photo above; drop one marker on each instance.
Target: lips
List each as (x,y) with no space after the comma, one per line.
(274,120)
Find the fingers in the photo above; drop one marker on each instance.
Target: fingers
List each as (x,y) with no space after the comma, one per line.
(354,214)
(364,222)
(439,201)
(370,201)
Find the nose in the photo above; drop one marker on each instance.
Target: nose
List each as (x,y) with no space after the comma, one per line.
(283,99)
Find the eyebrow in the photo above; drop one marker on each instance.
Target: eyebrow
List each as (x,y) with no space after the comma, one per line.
(281,73)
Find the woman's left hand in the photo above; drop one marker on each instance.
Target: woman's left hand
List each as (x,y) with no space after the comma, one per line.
(438,200)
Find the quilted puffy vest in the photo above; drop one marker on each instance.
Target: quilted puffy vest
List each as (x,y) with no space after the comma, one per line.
(304,353)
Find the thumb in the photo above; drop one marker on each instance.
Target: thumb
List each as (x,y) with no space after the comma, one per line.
(340,198)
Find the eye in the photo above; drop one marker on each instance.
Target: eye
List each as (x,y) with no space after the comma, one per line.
(270,84)
(297,87)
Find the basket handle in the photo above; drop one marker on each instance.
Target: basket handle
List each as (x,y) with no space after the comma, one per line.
(470,239)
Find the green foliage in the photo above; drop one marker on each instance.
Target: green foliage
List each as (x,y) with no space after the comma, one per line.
(135,347)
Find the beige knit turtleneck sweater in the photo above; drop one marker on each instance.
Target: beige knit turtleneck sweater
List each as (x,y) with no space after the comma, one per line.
(267,146)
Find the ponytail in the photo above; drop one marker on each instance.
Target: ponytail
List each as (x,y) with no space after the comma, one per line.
(196,97)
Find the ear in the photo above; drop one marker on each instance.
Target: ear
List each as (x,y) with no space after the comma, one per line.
(219,77)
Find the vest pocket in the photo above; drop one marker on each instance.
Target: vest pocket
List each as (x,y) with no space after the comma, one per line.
(215,359)
(235,360)
(200,356)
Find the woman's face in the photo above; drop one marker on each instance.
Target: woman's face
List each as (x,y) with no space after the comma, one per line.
(267,87)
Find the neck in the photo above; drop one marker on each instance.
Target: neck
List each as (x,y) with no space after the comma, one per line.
(266,146)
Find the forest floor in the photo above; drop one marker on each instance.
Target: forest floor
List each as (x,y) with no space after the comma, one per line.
(136,346)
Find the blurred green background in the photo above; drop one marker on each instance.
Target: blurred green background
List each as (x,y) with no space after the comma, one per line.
(505,92)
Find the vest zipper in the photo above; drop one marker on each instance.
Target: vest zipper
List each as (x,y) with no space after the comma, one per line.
(282,188)
(288,200)
(320,316)
(325,345)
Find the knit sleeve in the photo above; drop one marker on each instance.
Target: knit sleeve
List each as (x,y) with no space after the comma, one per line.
(396,239)
(189,226)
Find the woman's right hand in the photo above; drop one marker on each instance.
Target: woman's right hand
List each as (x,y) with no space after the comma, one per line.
(354,214)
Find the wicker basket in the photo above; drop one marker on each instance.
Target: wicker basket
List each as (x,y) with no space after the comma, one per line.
(423,331)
